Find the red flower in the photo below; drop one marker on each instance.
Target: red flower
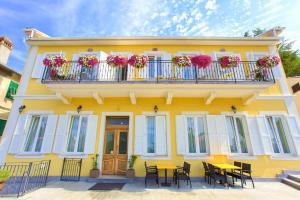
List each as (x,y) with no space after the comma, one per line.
(201,61)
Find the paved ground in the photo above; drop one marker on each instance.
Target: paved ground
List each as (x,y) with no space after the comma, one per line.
(137,191)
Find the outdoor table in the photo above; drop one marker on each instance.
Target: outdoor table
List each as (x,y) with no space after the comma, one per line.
(225,167)
(166,167)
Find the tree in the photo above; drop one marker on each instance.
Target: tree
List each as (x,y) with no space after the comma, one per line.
(290,58)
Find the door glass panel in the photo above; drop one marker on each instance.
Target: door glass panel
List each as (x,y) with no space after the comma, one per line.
(150,134)
(282,135)
(273,135)
(110,141)
(201,135)
(191,134)
(241,133)
(82,134)
(41,134)
(231,134)
(32,131)
(123,143)
(117,121)
(73,134)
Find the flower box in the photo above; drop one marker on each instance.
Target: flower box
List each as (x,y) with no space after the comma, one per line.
(88,61)
(201,61)
(229,61)
(182,61)
(54,61)
(138,61)
(267,62)
(117,61)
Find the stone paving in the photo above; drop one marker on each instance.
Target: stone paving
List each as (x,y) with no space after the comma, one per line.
(137,191)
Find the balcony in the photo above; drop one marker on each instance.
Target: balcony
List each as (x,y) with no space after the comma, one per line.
(158,72)
(157,79)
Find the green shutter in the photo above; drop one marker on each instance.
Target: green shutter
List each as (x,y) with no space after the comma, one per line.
(12,90)
(2,126)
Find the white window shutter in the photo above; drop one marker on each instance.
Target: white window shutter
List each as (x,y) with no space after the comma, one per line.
(212,134)
(255,139)
(39,67)
(222,134)
(19,135)
(264,134)
(295,132)
(161,135)
(61,134)
(139,132)
(49,134)
(167,65)
(180,135)
(91,131)
(130,69)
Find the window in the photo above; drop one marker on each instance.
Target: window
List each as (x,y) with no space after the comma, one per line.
(278,135)
(12,90)
(150,134)
(36,132)
(155,66)
(236,134)
(77,134)
(196,134)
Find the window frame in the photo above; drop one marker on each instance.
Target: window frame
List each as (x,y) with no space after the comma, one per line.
(246,132)
(35,136)
(277,136)
(196,137)
(77,135)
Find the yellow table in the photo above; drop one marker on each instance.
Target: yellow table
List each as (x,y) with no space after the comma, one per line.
(166,167)
(224,167)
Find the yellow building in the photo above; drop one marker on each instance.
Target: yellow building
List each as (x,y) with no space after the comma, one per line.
(162,113)
(9,80)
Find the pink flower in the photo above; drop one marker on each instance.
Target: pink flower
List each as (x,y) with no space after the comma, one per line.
(268,61)
(229,61)
(201,61)
(138,61)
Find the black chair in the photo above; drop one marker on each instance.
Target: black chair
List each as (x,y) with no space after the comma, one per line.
(214,175)
(206,172)
(183,173)
(243,175)
(151,174)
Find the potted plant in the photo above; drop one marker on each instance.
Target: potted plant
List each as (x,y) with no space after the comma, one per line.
(4,176)
(229,61)
(94,172)
(88,61)
(55,64)
(130,171)
(201,61)
(116,61)
(267,62)
(138,61)
(182,61)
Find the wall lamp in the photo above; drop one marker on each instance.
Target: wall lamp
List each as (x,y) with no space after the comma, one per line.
(21,108)
(79,108)
(233,108)
(155,109)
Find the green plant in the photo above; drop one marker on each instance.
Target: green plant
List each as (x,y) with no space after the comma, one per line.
(95,161)
(4,175)
(132,161)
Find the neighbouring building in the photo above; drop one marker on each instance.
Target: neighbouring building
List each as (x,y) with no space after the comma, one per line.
(294,83)
(161,113)
(9,80)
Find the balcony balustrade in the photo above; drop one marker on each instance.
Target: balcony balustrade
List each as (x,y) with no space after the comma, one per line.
(162,71)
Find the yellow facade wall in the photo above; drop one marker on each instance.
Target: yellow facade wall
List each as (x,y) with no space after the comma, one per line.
(263,166)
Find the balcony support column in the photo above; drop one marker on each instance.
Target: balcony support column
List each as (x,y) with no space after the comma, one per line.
(210,98)
(98,98)
(132,98)
(64,99)
(169,98)
(250,99)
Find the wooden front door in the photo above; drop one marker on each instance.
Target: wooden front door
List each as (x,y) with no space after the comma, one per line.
(115,150)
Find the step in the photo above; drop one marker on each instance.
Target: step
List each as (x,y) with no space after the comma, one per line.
(291,183)
(293,177)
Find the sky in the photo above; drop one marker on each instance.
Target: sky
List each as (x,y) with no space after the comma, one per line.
(79,18)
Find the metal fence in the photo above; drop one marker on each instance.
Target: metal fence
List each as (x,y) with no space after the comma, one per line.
(25,176)
(158,71)
(71,169)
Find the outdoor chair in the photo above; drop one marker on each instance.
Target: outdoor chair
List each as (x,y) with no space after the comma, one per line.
(151,174)
(214,175)
(183,173)
(206,172)
(243,175)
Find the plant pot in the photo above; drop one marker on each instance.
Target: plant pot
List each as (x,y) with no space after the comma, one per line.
(130,173)
(2,183)
(94,173)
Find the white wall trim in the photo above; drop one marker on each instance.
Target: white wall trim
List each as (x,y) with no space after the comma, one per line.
(243,113)
(14,113)
(39,112)
(72,112)
(273,113)
(102,133)
(180,53)
(155,53)
(195,113)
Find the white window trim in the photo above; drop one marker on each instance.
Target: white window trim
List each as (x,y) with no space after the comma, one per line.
(154,156)
(281,155)
(198,155)
(275,113)
(155,53)
(180,53)
(251,54)
(195,113)
(102,133)
(81,114)
(243,115)
(40,112)
(120,53)
(73,155)
(32,153)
